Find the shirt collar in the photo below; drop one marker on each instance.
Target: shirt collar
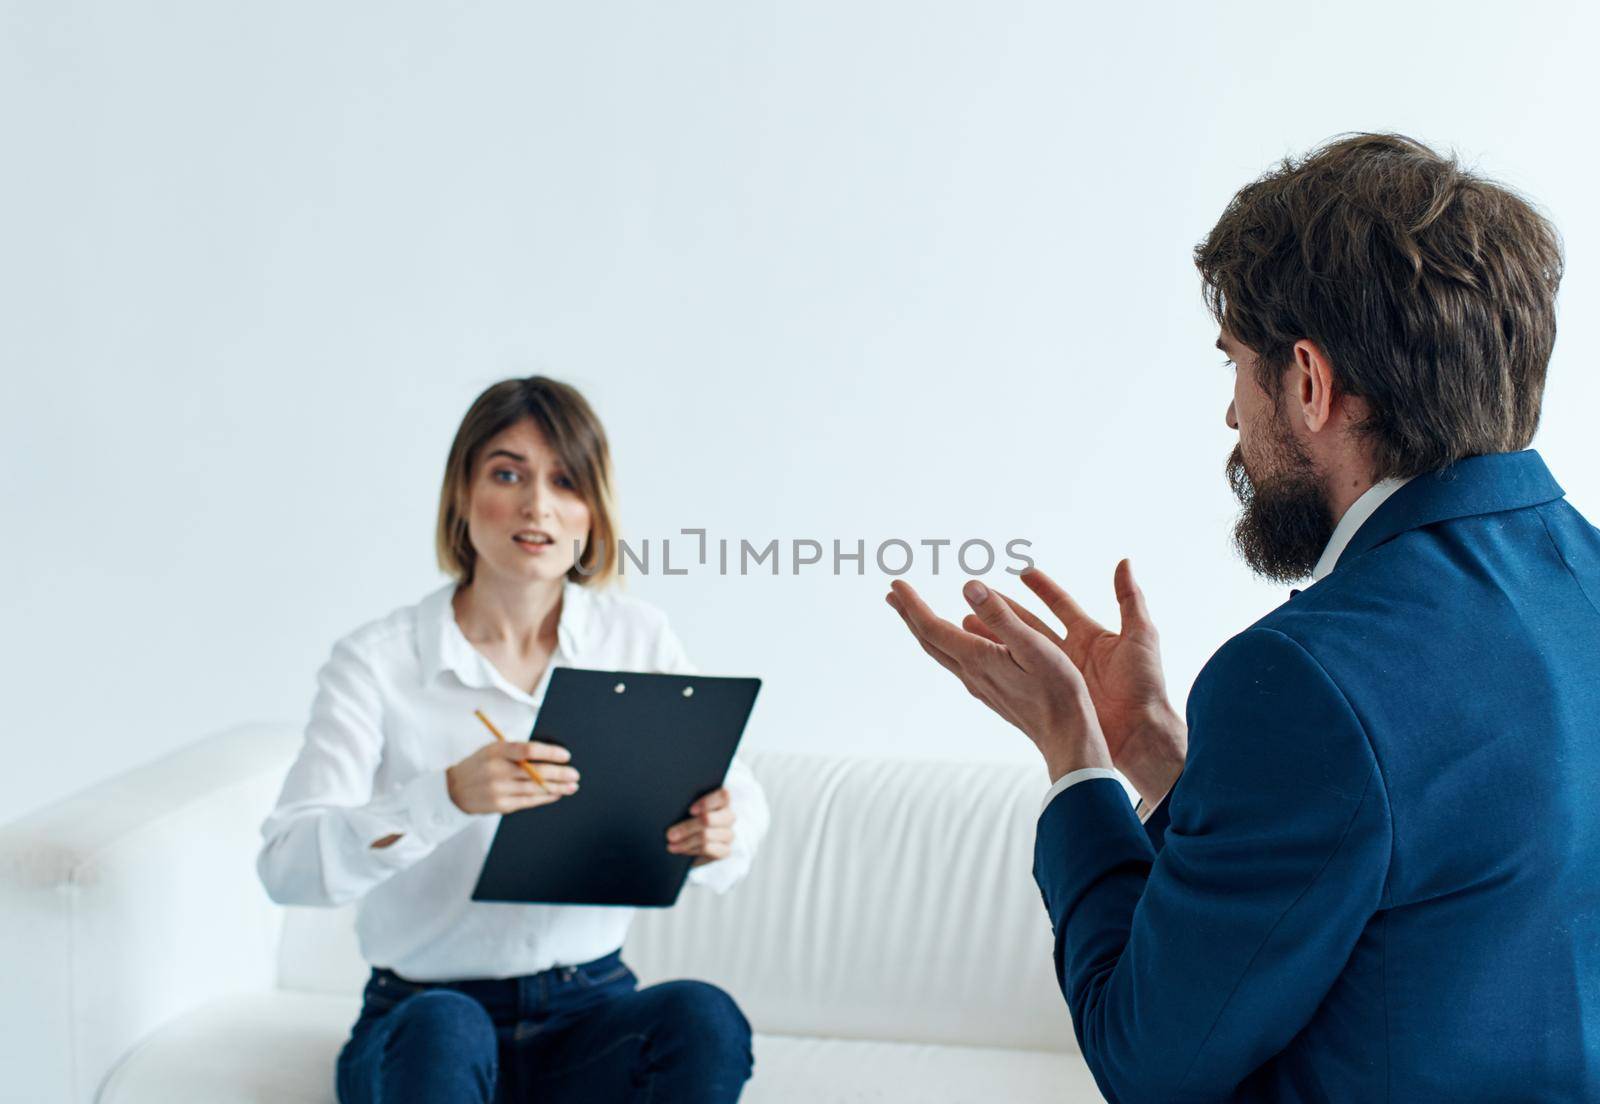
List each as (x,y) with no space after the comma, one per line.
(1354,517)
(443,647)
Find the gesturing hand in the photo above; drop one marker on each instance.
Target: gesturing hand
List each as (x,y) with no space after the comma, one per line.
(1016,670)
(708,833)
(491,779)
(1144,734)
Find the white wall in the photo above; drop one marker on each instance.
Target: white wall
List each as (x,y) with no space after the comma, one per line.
(830,270)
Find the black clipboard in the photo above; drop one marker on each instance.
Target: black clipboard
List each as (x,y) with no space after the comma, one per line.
(647,746)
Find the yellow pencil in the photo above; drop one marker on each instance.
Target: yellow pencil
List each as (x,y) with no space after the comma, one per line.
(527,766)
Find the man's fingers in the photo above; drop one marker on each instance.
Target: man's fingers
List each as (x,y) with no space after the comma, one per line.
(1130,600)
(1030,619)
(939,657)
(1059,602)
(974,624)
(983,643)
(1019,640)
(959,646)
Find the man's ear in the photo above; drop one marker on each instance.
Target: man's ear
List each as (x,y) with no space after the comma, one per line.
(1311,385)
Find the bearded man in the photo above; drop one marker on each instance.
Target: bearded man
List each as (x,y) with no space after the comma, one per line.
(1369,863)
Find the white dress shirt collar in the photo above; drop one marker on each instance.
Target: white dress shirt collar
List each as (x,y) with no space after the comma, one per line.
(444,647)
(1354,518)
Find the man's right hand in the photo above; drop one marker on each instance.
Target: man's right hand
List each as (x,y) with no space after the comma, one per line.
(491,779)
(1147,739)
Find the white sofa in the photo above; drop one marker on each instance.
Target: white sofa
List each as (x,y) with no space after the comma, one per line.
(890,944)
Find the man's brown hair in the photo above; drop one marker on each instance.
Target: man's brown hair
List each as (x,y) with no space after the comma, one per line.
(573,433)
(1430,289)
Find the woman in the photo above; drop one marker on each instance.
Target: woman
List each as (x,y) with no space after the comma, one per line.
(398,788)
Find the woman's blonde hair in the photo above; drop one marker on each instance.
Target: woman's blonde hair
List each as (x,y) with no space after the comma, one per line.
(572,431)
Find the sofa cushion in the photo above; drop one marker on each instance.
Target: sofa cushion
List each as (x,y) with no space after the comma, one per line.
(793,1069)
(279,1048)
(892,899)
(267,1047)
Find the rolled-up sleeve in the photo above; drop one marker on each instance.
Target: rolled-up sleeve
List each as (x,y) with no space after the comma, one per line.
(318,842)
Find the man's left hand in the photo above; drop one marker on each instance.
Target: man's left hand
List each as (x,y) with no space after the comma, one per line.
(1020,674)
(708,833)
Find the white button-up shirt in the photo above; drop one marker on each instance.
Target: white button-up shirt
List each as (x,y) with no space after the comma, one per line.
(1354,518)
(393,710)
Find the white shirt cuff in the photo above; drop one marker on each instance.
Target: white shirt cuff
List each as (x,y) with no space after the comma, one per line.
(432,817)
(722,875)
(1072,778)
(1143,810)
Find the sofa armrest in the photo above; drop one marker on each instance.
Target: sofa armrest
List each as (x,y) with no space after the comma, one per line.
(131,902)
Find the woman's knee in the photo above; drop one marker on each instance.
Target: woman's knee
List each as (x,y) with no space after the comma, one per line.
(701,1012)
(444,1024)
(437,1045)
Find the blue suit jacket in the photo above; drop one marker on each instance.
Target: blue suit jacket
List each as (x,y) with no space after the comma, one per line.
(1380,879)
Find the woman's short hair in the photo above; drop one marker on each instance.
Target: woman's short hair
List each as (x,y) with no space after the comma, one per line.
(1431,290)
(572,431)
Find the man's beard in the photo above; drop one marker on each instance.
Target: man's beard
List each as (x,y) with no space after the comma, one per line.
(1286,522)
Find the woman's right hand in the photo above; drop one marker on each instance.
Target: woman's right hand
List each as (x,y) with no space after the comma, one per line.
(491,779)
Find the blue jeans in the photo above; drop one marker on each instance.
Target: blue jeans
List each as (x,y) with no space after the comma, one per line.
(572,1034)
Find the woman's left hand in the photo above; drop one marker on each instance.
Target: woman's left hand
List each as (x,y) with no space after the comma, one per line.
(708,833)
